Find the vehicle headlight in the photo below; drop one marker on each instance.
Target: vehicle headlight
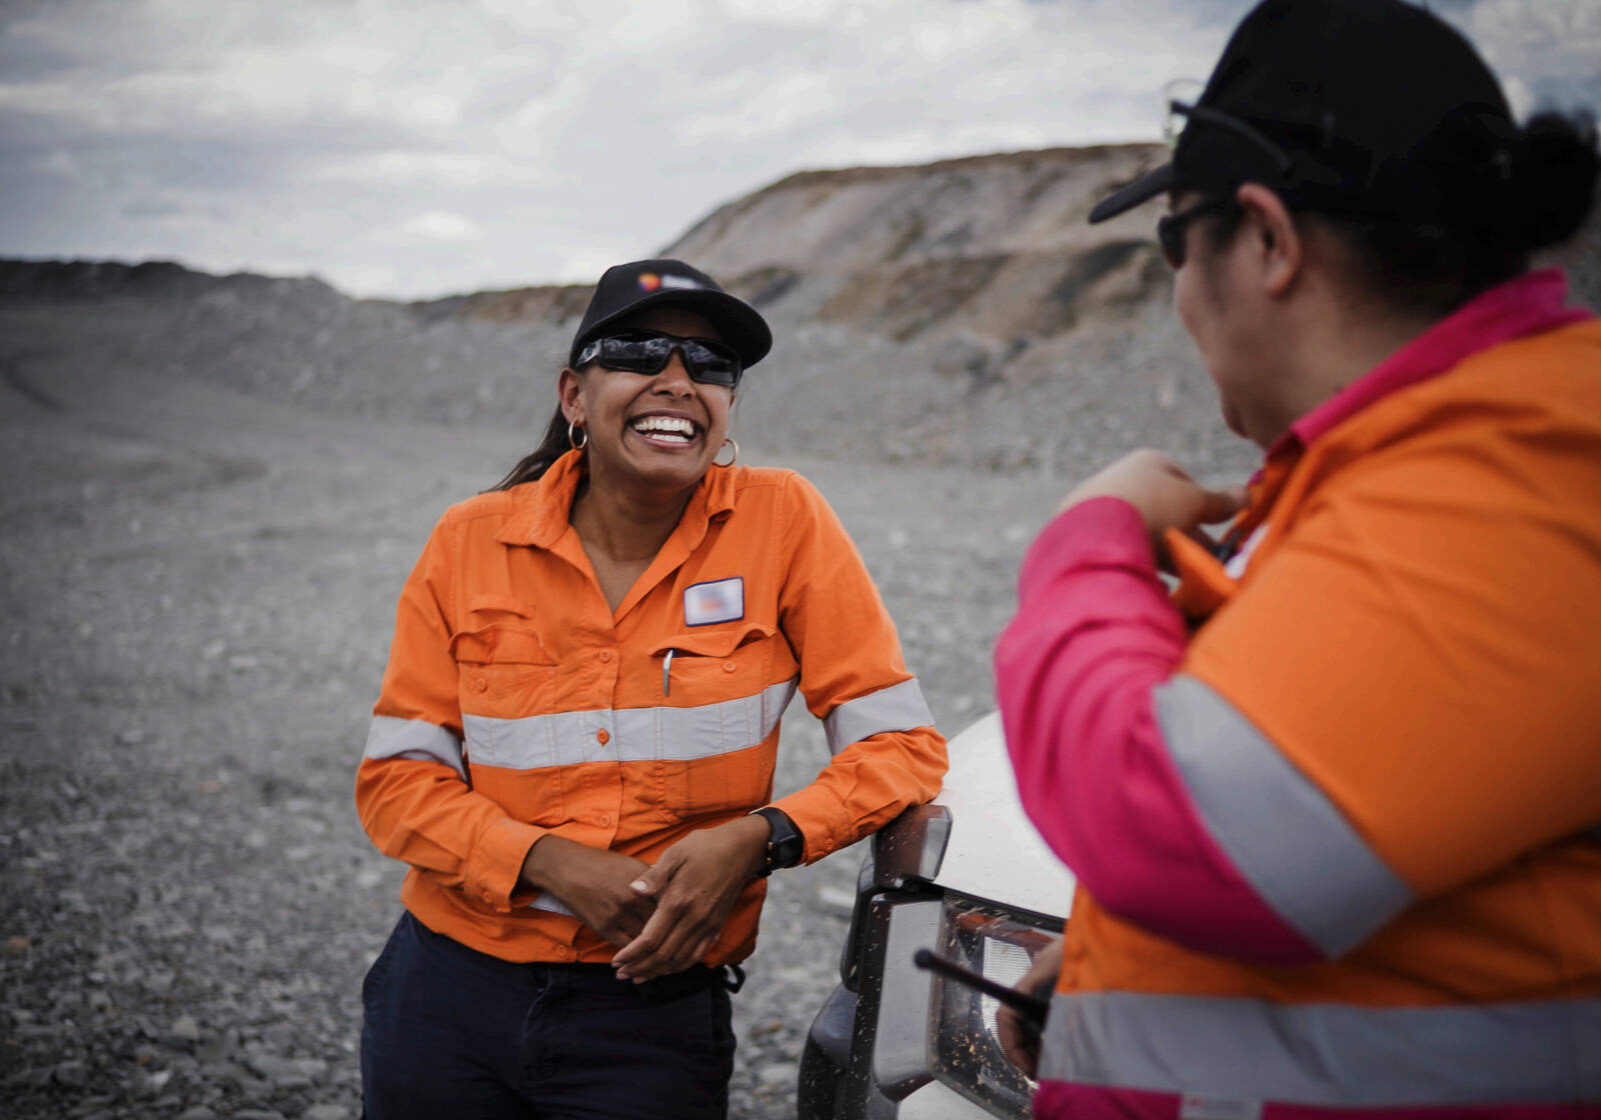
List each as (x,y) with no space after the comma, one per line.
(963,1044)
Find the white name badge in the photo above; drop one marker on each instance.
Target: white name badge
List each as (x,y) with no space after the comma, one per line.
(721,600)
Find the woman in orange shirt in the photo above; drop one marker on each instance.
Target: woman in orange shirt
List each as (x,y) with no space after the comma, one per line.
(574,743)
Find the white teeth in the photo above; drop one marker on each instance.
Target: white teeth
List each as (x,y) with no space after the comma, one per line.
(673,428)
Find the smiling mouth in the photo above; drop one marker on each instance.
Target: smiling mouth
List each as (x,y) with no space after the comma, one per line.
(666,431)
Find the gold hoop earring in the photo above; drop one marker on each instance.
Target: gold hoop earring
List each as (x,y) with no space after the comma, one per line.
(729,442)
(573,439)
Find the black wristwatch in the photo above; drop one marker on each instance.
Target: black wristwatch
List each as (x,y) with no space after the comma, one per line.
(785,844)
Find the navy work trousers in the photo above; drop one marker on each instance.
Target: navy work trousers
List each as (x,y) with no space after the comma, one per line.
(448,1031)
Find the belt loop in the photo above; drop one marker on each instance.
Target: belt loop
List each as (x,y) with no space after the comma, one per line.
(733,977)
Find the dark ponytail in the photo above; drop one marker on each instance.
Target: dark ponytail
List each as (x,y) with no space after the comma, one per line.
(534,465)
(1552,183)
(1499,194)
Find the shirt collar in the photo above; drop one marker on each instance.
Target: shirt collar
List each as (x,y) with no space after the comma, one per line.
(541,515)
(1526,304)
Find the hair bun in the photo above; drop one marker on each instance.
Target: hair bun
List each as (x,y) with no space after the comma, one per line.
(1552,177)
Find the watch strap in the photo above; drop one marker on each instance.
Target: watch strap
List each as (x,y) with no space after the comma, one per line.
(785,844)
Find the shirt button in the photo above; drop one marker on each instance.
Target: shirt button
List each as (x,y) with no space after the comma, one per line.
(604,820)
(729,666)
(602,736)
(561,952)
(605,655)
(480,685)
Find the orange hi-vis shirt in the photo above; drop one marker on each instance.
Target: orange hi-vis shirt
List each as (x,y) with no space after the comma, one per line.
(1344,856)
(517,704)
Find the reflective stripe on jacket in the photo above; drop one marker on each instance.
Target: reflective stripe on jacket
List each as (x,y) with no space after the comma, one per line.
(516,703)
(1332,830)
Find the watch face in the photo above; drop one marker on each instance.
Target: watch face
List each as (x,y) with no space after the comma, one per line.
(788,848)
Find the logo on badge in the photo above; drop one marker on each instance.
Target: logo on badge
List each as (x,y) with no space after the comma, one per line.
(720,600)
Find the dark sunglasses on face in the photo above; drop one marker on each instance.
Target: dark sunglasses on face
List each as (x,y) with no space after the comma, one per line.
(1170,229)
(642,351)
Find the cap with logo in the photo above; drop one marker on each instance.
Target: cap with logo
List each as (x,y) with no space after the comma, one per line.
(627,289)
(1362,107)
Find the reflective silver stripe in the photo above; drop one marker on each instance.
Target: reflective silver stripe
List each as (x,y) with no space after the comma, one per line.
(900,707)
(552,903)
(1327,1054)
(389,737)
(1297,850)
(632,734)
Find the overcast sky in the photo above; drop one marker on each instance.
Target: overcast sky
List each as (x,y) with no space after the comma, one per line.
(412,148)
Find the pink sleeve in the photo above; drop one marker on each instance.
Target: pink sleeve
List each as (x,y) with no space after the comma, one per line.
(1074,670)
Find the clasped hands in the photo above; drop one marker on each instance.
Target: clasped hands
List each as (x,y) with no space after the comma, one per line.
(663,917)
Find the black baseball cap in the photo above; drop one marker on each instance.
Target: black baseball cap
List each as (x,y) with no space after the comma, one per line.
(1362,107)
(626,289)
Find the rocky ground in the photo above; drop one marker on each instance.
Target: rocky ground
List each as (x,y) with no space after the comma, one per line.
(199,577)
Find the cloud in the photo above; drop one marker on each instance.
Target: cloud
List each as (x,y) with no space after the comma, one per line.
(441,225)
(409,147)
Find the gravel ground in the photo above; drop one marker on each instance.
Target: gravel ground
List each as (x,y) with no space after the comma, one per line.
(200,583)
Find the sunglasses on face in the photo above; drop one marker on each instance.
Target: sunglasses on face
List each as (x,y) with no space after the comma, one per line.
(642,351)
(1170,229)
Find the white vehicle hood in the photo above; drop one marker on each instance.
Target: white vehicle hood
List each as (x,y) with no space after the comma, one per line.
(994,852)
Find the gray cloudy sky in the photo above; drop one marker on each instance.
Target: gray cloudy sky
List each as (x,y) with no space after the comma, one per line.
(414,148)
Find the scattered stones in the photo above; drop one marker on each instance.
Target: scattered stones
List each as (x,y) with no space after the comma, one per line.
(72,1074)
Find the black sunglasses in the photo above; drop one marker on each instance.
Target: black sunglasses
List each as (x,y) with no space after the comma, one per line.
(1170,228)
(642,351)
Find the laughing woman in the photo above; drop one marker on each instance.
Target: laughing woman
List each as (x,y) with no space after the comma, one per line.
(574,743)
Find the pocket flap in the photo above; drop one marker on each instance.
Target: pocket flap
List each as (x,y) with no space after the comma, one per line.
(501,645)
(714,641)
(498,604)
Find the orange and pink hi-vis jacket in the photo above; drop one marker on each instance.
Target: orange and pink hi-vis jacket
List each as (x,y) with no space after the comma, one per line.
(516,703)
(1333,804)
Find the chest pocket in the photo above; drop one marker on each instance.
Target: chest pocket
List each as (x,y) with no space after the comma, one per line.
(715,710)
(714,664)
(504,669)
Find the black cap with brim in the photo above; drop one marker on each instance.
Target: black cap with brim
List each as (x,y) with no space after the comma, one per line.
(1366,107)
(1145,187)
(625,290)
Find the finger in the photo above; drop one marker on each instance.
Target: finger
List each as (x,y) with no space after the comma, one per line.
(671,955)
(652,880)
(666,963)
(639,909)
(1216,505)
(1006,1034)
(1014,1040)
(640,955)
(638,948)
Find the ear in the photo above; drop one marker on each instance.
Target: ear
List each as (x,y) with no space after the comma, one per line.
(570,390)
(1279,246)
